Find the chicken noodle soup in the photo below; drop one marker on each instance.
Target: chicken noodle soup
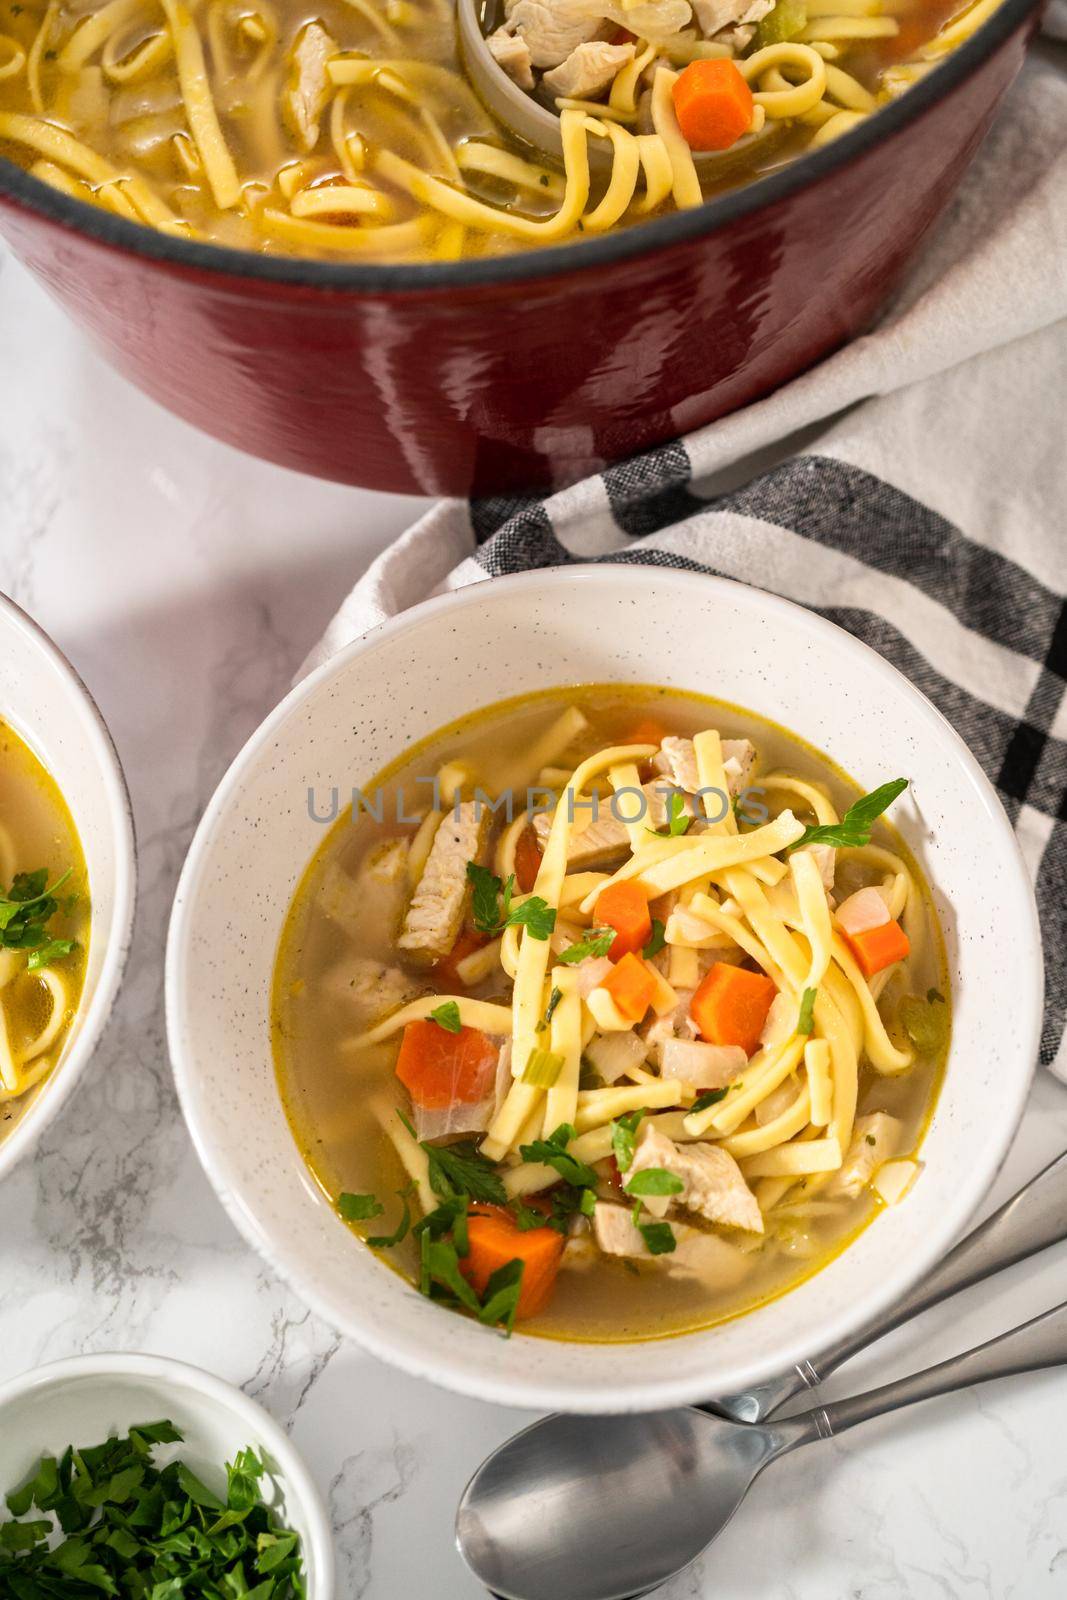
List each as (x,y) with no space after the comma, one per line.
(44,925)
(349,129)
(625,1023)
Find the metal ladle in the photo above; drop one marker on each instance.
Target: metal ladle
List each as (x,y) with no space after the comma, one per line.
(608,1508)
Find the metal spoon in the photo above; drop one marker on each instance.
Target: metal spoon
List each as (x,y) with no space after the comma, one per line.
(618,1506)
(1032,1220)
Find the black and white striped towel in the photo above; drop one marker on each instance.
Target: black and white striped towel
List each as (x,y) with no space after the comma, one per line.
(913,488)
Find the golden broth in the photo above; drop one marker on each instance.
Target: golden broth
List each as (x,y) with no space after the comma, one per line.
(37,1007)
(184,118)
(327,1090)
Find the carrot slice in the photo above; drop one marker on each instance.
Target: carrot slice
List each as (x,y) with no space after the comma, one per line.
(878,948)
(713,104)
(731,1005)
(447,969)
(647,731)
(631,985)
(440,1069)
(624,907)
(527,860)
(495,1240)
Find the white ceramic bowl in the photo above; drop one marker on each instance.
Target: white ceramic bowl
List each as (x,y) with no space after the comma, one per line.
(83,1400)
(45,702)
(565,626)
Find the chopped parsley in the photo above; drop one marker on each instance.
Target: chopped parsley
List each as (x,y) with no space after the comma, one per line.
(658,1236)
(447,1016)
(129,1527)
(657,941)
(552,1152)
(550,1010)
(597,942)
(854,829)
(677,820)
(492,910)
(501,1299)
(25,912)
(359,1207)
(461,1168)
(624,1137)
(654,1181)
(710,1097)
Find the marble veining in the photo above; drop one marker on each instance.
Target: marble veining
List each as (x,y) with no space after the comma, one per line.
(187,582)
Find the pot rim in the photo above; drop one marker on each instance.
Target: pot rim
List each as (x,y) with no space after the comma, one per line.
(648,238)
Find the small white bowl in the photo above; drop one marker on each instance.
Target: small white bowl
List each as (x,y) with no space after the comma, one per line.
(83,1400)
(573,625)
(43,699)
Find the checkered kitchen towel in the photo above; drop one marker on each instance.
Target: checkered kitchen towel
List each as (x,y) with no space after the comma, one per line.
(913,488)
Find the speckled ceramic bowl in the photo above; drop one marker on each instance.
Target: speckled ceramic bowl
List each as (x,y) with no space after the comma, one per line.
(83,1400)
(44,700)
(446,658)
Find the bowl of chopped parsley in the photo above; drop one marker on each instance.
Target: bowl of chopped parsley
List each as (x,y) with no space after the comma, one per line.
(141,1478)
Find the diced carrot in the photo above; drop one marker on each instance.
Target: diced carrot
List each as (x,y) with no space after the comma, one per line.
(731,1005)
(877,948)
(713,104)
(631,986)
(447,969)
(647,731)
(624,907)
(527,860)
(440,1069)
(495,1240)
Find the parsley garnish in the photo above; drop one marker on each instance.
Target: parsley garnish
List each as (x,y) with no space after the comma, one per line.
(386,1241)
(658,1236)
(654,1181)
(677,821)
(129,1528)
(597,942)
(462,1169)
(550,1010)
(447,1017)
(358,1207)
(806,1018)
(624,1137)
(657,941)
(492,910)
(552,1152)
(854,829)
(501,1299)
(934,996)
(710,1097)
(25,911)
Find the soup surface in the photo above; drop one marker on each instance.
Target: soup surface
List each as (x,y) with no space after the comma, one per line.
(44,925)
(350,129)
(611,1077)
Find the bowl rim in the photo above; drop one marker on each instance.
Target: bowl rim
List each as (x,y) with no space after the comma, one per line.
(166,1372)
(645,239)
(660,1390)
(90,1022)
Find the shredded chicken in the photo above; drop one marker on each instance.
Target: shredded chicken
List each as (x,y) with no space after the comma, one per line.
(589,70)
(739,763)
(705,1255)
(308,91)
(714,15)
(435,915)
(874,1139)
(712,1180)
(368,906)
(370,988)
(550,31)
(599,838)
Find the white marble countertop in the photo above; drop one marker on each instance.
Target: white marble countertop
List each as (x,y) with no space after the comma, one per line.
(187,582)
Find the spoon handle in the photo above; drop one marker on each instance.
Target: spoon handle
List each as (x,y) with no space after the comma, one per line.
(1037,1344)
(1030,1221)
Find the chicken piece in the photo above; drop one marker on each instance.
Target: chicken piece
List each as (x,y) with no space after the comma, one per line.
(677,758)
(720,1264)
(603,839)
(307,93)
(435,915)
(368,906)
(874,1139)
(825,858)
(714,1186)
(550,31)
(589,70)
(510,51)
(739,763)
(370,989)
(714,15)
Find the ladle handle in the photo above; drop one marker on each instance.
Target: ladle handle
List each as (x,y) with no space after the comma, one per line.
(1037,1344)
(1030,1221)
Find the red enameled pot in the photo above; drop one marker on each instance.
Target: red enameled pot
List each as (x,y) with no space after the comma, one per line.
(526,370)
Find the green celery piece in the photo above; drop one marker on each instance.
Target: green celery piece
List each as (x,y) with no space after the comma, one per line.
(788,18)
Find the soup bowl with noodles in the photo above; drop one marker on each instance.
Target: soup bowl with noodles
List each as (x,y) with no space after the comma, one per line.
(67,880)
(677,1101)
(309,234)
